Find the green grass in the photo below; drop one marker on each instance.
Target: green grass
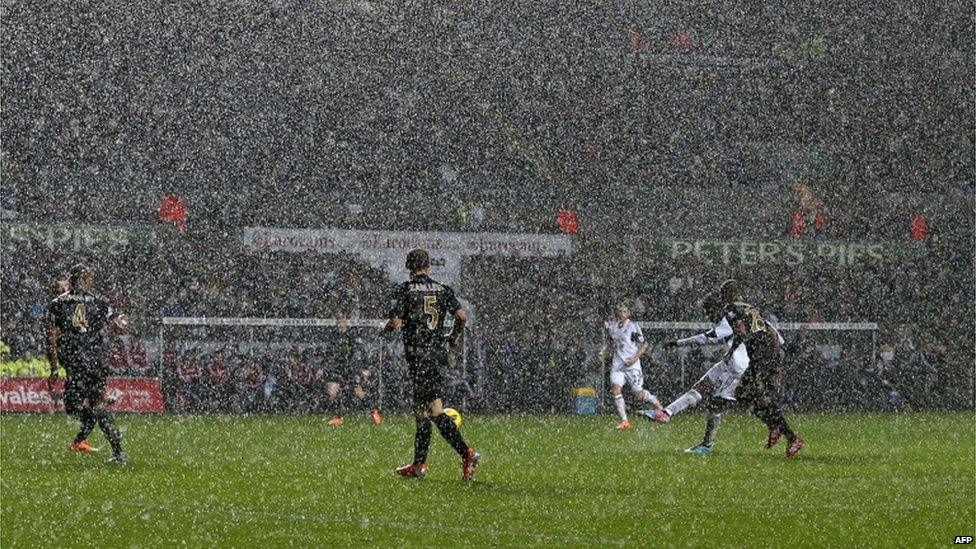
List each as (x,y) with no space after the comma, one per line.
(905,480)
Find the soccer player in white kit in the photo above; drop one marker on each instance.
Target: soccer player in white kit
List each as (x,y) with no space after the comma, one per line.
(629,346)
(719,383)
(718,387)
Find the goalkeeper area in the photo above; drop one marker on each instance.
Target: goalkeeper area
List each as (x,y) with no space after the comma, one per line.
(864,480)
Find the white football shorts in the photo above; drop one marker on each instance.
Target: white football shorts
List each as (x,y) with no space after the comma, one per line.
(726,375)
(632,376)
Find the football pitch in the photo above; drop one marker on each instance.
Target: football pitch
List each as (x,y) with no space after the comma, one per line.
(864,480)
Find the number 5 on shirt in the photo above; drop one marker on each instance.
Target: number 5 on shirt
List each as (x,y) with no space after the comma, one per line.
(431,311)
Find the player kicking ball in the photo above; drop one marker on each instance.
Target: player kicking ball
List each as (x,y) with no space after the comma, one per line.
(754,352)
(419,308)
(629,346)
(718,386)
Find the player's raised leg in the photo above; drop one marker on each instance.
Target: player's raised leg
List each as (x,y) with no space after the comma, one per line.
(688,400)
(451,433)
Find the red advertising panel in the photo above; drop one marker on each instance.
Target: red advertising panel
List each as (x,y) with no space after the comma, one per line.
(130,394)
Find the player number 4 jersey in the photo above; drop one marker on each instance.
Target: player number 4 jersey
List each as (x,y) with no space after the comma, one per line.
(80,317)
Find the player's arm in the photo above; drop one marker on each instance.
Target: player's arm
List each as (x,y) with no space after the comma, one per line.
(52,355)
(460,319)
(395,323)
(607,342)
(641,351)
(721,332)
(453,306)
(120,321)
(740,334)
(778,341)
(638,337)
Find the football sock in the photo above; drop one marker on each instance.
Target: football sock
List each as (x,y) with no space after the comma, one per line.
(107,425)
(87,424)
(711,429)
(421,440)
(618,401)
(334,405)
(655,403)
(451,434)
(684,401)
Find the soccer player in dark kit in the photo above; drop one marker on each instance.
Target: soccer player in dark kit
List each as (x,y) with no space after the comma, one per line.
(75,322)
(419,307)
(765,347)
(746,375)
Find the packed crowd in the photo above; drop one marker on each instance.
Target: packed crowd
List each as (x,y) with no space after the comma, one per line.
(535,324)
(649,121)
(510,110)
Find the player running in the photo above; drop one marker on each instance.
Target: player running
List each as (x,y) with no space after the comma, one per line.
(76,320)
(629,346)
(765,347)
(419,307)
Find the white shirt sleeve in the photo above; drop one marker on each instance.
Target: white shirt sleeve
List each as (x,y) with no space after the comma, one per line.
(721,332)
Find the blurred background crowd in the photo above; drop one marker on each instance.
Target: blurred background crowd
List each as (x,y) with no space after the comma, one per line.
(672,143)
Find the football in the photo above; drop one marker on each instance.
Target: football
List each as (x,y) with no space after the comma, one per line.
(454,415)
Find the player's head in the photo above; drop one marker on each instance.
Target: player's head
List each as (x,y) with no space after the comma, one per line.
(623,312)
(729,290)
(418,261)
(714,307)
(61,284)
(81,277)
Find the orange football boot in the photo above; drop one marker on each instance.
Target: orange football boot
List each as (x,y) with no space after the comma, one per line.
(412,470)
(82,446)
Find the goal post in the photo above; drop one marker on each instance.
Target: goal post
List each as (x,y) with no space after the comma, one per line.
(255,336)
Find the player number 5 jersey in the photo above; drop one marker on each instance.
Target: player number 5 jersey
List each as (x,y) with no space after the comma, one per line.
(423,304)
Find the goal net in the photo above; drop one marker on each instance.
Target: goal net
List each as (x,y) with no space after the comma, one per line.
(267,365)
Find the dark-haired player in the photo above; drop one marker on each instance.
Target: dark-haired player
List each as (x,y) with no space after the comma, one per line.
(745,374)
(348,380)
(76,320)
(765,347)
(419,307)
(718,387)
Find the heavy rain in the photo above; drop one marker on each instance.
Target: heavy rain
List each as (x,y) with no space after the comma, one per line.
(272,269)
